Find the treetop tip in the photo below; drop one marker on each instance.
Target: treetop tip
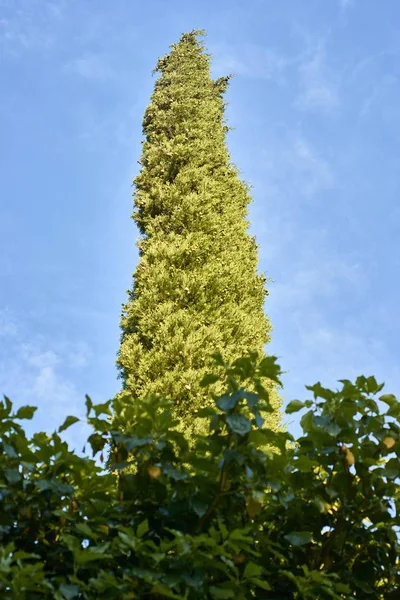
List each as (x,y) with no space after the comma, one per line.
(192,36)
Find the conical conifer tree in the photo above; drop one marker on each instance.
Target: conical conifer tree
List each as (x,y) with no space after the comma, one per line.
(196,289)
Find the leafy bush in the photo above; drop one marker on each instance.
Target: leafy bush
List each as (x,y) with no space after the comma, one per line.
(244,512)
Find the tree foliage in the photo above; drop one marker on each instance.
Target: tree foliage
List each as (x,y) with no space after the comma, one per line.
(223,517)
(196,288)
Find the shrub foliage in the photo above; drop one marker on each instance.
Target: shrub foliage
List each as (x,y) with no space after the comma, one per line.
(243,512)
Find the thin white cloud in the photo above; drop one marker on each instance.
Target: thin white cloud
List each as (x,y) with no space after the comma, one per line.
(330,352)
(369,101)
(385,91)
(8,325)
(318,89)
(344,4)
(250,60)
(29,24)
(316,343)
(366,62)
(312,274)
(319,273)
(70,354)
(79,355)
(295,178)
(91,66)
(320,351)
(39,358)
(34,371)
(375,84)
(293,165)
(314,171)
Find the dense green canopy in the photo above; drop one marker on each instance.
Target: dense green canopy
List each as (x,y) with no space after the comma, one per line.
(196,289)
(218,518)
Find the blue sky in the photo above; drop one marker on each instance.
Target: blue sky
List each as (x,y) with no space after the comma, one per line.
(316,110)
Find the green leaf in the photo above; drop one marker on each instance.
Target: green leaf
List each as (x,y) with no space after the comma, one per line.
(176,474)
(227,403)
(97,442)
(299,538)
(206,411)
(343,588)
(218,592)
(294,406)
(320,503)
(128,540)
(70,420)
(9,450)
(8,405)
(389,399)
(89,405)
(22,555)
(55,486)
(136,442)
(372,385)
(145,574)
(333,429)
(261,583)
(199,506)
(252,399)
(241,535)
(92,554)
(100,425)
(102,409)
(252,570)
(364,586)
(259,420)
(307,422)
(164,590)
(85,529)
(269,368)
(209,379)
(12,475)
(392,468)
(238,424)
(25,412)
(305,464)
(143,528)
(217,356)
(348,409)
(69,590)
(320,392)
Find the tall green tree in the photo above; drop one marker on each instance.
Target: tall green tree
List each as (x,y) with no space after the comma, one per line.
(196,289)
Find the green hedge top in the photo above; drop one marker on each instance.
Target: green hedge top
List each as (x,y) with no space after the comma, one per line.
(243,512)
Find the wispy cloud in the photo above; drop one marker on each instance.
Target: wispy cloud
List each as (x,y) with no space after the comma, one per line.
(29,24)
(314,277)
(91,66)
(385,91)
(293,164)
(318,273)
(316,349)
(295,178)
(8,325)
(250,60)
(318,336)
(343,352)
(344,4)
(34,370)
(318,88)
(369,101)
(313,172)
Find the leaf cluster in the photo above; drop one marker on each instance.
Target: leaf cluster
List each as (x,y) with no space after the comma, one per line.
(242,512)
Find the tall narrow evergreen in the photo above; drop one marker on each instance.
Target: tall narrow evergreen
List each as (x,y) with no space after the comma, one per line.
(196,289)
